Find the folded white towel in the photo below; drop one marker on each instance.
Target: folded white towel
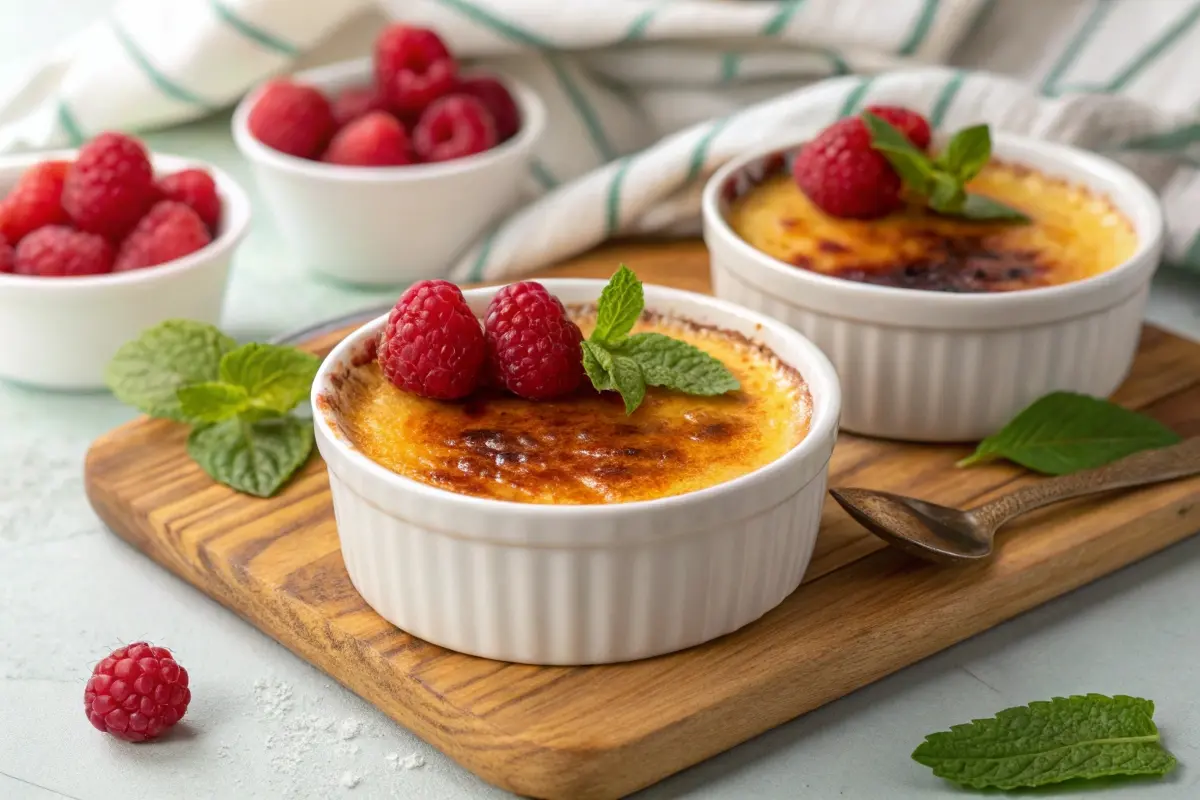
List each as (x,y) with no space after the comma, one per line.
(647,98)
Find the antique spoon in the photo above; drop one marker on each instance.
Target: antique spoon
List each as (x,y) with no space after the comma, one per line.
(948,535)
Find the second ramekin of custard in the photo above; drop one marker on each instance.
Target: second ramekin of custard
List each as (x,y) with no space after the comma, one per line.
(943,329)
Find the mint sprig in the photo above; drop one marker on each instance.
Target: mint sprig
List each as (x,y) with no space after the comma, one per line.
(1065,432)
(1079,737)
(942,181)
(617,361)
(238,399)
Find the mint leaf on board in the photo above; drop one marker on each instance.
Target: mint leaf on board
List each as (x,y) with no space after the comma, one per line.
(620,306)
(276,378)
(252,457)
(1065,432)
(147,372)
(678,365)
(1047,742)
(212,401)
(967,153)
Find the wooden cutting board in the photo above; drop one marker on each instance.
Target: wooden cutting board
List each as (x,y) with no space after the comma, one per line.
(596,733)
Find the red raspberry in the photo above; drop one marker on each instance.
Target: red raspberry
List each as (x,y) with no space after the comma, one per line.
(432,344)
(35,201)
(110,185)
(169,231)
(454,127)
(534,350)
(355,102)
(413,67)
(909,122)
(375,140)
(8,256)
(57,251)
(136,693)
(292,119)
(195,188)
(497,100)
(843,176)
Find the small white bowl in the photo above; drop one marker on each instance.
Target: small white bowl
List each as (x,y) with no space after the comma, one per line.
(60,333)
(940,367)
(386,226)
(546,584)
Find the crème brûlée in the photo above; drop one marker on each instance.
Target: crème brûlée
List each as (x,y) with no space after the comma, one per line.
(583,448)
(1074,234)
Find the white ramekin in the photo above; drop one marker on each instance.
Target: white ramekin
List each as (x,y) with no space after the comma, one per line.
(386,226)
(933,366)
(60,333)
(547,584)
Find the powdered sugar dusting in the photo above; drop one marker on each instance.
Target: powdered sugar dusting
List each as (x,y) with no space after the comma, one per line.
(410,761)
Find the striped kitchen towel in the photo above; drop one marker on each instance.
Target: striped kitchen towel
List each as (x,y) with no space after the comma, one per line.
(646,99)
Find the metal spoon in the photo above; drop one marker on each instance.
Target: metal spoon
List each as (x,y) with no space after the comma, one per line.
(948,535)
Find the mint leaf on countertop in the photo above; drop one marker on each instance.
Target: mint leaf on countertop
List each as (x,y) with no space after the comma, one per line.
(1047,742)
(275,378)
(620,306)
(147,372)
(252,457)
(1065,432)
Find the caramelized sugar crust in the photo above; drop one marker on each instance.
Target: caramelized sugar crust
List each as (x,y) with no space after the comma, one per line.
(583,449)
(1075,234)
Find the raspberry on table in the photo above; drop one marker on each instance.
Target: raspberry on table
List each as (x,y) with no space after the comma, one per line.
(497,100)
(109,186)
(136,693)
(432,344)
(374,140)
(413,67)
(534,349)
(355,102)
(35,201)
(843,176)
(8,256)
(57,251)
(292,118)
(914,126)
(170,230)
(454,127)
(195,188)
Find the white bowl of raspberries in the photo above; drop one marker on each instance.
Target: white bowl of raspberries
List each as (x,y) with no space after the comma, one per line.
(381,171)
(99,244)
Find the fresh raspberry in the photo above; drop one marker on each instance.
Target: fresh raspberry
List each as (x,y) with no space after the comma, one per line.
(534,349)
(375,140)
(57,251)
(110,186)
(8,256)
(169,231)
(909,122)
(413,67)
(843,176)
(292,119)
(35,201)
(355,102)
(497,100)
(432,344)
(454,127)
(195,188)
(136,693)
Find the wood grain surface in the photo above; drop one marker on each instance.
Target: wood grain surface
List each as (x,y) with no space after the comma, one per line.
(594,733)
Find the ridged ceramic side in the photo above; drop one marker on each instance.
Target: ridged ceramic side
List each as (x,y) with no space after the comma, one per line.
(929,366)
(550,584)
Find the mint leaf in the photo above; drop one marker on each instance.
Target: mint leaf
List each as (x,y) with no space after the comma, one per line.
(212,401)
(967,153)
(678,365)
(620,306)
(275,378)
(981,207)
(1065,738)
(914,167)
(147,372)
(947,196)
(628,379)
(1066,432)
(252,457)
(598,364)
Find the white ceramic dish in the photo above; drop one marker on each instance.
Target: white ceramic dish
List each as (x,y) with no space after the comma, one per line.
(932,366)
(548,584)
(60,333)
(387,226)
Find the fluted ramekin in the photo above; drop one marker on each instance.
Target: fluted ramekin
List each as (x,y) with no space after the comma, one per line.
(932,366)
(547,584)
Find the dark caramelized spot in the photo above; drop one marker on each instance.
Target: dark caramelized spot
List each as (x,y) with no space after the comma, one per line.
(828,246)
(956,264)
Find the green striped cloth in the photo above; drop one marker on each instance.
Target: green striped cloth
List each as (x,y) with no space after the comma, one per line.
(646,99)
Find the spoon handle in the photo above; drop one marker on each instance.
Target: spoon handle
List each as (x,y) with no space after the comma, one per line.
(1148,466)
